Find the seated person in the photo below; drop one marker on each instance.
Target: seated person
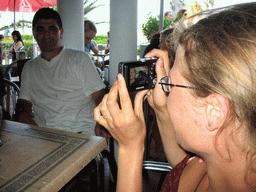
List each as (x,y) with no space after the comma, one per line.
(89,44)
(17,45)
(62,85)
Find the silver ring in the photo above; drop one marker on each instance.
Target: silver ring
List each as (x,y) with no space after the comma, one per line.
(105,118)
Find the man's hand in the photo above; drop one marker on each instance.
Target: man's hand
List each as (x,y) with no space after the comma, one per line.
(23,112)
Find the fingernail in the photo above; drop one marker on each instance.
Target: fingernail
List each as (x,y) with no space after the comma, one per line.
(119,77)
(201,160)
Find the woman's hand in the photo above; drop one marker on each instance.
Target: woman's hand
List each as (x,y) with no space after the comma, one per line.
(124,123)
(157,98)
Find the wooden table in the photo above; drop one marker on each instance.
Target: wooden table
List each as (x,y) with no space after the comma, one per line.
(41,159)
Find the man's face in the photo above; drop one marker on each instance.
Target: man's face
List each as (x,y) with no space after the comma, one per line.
(88,36)
(47,34)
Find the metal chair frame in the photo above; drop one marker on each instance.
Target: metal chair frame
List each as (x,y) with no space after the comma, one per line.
(10,99)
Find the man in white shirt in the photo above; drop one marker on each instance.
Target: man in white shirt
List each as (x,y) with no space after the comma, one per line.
(62,85)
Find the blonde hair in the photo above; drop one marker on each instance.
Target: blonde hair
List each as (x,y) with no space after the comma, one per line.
(220,57)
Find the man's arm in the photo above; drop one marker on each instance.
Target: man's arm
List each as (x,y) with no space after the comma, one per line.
(98,96)
(23,112)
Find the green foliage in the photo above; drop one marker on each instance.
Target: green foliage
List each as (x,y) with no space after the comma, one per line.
(90,7)
(138,51)
(152,25)
(28,45)
(27,37)
(19,24)
(101,39)
(6,46)
(28,48)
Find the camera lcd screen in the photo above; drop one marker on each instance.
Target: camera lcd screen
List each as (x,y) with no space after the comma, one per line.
(138,76)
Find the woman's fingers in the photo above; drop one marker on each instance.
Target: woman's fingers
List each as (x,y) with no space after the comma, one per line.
(138,103)
(161,54)
(157,98)
(124,96)
(111,102)
(98,116)
(102,113)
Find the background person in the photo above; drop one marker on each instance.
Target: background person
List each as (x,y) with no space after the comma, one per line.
(168,15)
(89,33)
(210,109)
(89,44)
(17,45)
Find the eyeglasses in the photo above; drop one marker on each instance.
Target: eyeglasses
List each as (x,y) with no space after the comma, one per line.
(167,85)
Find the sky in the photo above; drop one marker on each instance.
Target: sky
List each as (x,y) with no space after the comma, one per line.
(102,13)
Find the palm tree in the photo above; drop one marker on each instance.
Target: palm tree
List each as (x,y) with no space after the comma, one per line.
(90,7)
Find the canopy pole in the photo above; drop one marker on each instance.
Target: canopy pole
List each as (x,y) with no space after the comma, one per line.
(14,24)
(161,19)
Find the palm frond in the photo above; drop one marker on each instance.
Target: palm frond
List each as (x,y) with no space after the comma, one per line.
(90,7)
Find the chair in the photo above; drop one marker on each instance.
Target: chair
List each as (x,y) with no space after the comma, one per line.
(15,70)
(10,99)
(154,169)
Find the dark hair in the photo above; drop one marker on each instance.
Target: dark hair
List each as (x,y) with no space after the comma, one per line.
(154,43)
(166,13)
(167,31)
(18,35)
(155,40)
(89,26)
(47,13)
(181,11)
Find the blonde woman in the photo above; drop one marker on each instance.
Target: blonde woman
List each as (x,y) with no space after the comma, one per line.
(210,109)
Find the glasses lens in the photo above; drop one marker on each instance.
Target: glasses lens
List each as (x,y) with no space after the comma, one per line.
(154,82)
(166,81)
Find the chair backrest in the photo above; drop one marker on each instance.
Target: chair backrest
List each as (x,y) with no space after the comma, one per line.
(15,69)
(10,99)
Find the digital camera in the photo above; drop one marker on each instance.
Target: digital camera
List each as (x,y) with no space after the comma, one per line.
(138,74)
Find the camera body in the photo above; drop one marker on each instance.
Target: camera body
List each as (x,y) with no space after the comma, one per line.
(138,74)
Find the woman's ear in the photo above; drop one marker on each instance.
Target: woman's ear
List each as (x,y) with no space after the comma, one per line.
(217,111)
